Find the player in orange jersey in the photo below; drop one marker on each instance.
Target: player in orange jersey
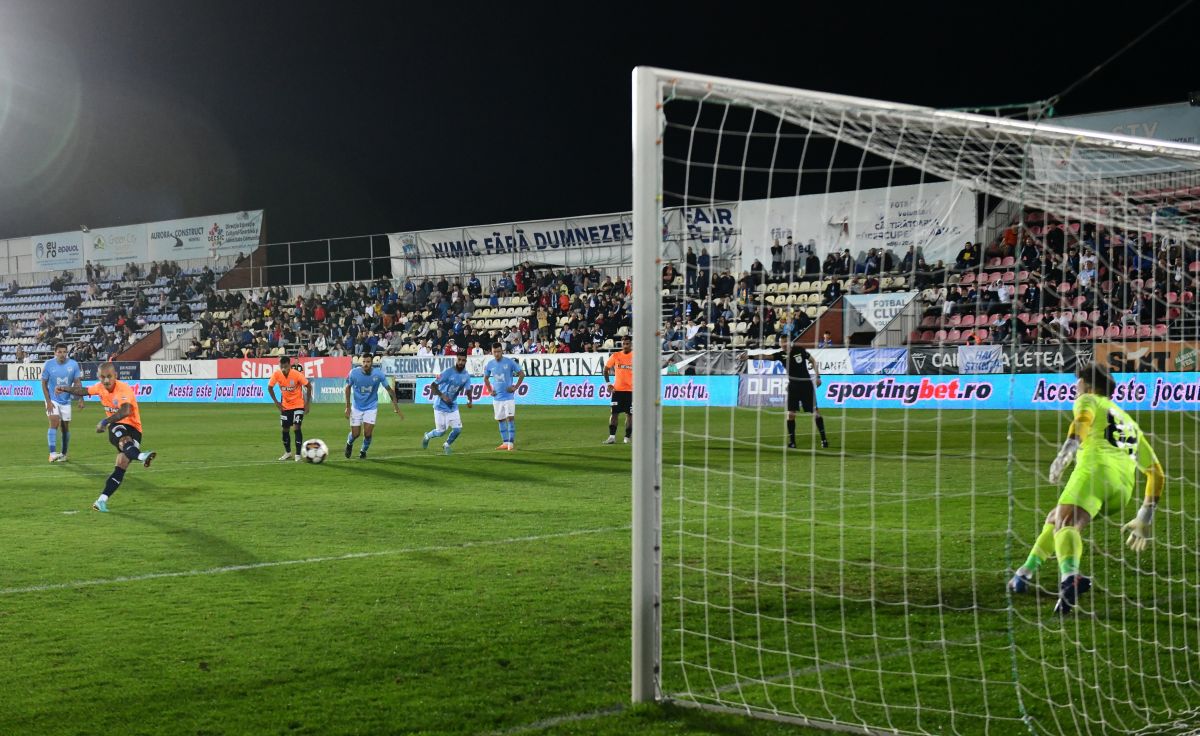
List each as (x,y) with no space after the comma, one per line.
(621,364)
(296,397)
(123,422)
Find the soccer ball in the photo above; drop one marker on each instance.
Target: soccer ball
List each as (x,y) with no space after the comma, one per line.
(315,451)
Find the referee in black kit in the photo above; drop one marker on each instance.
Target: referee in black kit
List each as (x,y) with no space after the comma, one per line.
(803,380)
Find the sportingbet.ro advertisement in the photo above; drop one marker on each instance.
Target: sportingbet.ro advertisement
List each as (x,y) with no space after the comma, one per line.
(1135,392)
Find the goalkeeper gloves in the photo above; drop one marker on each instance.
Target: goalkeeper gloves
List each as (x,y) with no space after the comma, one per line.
(1139,528)
(1065,456)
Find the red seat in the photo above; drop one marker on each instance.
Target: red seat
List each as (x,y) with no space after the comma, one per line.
(1106,286)
(1008,277)
(928,336)
(1193,266)
(929,321)
(914,336)
(1097,333)
(1025,317)
(1022,289)
(968,278)
(953,336)
(1022,275)
(1149,283)
(1160,330)
(1187,297)
(940,336)
(1135,284)
(1113,331)
(954,321)
(1172,297)
(1145,331)
(1128,332)
(1008,262)
(1094,315)
(1082,333)
(1173,313)
(1065,287)
(981,335)
(1074,227)
(968,320)
(993,263)
(1081,316)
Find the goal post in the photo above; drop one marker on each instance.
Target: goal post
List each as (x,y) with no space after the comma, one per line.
(859,587)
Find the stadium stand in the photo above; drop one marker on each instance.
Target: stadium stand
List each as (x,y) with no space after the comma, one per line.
(103,315)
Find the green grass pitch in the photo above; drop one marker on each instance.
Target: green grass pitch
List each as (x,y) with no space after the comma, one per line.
(488,592)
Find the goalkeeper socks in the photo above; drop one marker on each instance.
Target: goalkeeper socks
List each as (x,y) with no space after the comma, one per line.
(1068,545)
(820,426)
(52,438)
(114,480)
(1043,549)
(366,443)
(66,440)
(287,441)
(791,427)
(454,433)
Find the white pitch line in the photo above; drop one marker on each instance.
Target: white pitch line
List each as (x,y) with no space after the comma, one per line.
(305,561)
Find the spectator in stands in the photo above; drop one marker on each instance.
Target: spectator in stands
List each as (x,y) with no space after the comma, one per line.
(856,286)
(826,340)
(691,269)
(833,291)
(812,264)
(831,265)
(776,259)
(1002,331)
(13,289)
(872,263)
(967,258)
(871,284)
(845,263)
(757,275)
(668,276)
(704,263)
(21,356)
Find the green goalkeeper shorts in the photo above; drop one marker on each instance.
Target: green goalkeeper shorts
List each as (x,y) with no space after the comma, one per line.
(1098,488)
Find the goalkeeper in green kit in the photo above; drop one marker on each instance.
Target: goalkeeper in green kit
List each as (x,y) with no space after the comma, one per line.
(1108,448)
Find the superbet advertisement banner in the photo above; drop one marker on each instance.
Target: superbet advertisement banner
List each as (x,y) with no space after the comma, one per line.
(328,367)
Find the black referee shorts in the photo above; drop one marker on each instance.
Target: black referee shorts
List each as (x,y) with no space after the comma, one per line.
(801,395)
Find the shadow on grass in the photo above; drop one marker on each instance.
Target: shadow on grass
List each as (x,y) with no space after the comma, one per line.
(221,550)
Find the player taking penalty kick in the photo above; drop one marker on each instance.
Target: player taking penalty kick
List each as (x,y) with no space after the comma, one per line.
(58,372)
(446,390)
(1109,449)
(362,385)
(296,391)
(124,425)
(498,380)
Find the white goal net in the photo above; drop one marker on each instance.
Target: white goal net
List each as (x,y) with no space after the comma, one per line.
(857,581)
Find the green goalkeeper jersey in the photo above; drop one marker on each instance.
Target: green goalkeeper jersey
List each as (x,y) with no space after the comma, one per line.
(1115,440)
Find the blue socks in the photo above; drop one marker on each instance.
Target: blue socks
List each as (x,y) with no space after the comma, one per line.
(366,443)
(66,440)
(52,438)
(350,439)
(454,433)
(512,430)
(508,431)
(434,433)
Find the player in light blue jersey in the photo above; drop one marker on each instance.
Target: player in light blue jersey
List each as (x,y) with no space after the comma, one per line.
(362,386)
(502,377)
(60,372)
(446,389)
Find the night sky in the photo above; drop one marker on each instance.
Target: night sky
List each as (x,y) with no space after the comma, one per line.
(346,119)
